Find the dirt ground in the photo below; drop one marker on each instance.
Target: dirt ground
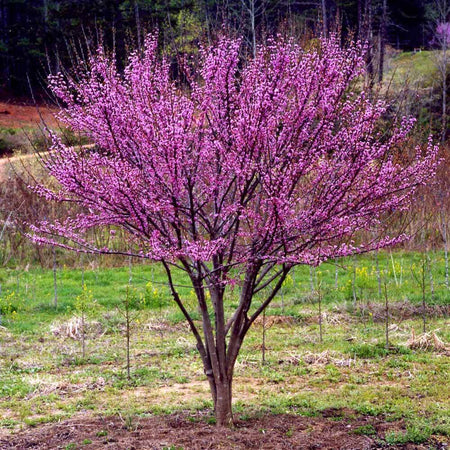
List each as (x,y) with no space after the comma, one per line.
(336,429)
(17,115)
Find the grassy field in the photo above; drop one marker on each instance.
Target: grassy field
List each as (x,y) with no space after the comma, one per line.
(416,68)
(44,377)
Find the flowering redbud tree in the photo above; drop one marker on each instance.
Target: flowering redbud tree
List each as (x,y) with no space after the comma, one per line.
(256,166)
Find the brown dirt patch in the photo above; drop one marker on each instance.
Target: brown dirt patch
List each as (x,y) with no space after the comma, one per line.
(269,321)
(336,430)
(401,310)
(13,115)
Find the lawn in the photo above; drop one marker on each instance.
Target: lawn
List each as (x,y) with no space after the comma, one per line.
(349,371)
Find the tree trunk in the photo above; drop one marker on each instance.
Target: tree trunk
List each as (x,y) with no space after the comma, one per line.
(138,23)
(127,323)
(424,312)
(253,26)
(4,36)
(369,39)
(430,275)
(382,42)
(336,275)
(263,348)
(444,236)
(319,298)
(324,18)
(360,19)
(219,358)
(55,284)
(378,272)
(222,403)
(444,94)
(354,281)
(45,14)
(386,309)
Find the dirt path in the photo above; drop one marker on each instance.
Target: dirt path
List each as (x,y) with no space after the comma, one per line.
(18,163)
(337,429)
(8,162)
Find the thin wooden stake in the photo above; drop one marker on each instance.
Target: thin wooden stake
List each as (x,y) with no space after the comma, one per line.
(263,354)
(55,284)
(386,308)
(319,297)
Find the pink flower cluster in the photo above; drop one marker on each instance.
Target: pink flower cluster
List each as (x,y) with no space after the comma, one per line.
(442,33)
(279,158)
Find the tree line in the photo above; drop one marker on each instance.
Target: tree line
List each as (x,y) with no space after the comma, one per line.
(40,36)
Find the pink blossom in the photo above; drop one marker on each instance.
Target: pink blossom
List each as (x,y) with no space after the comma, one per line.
(275,160)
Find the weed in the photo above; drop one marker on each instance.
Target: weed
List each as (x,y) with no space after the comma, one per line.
(333,373)
(152,298)
(193,419)
(367,430)
(182,379)
(8,423)
(368,409)
(245,417)
(129,421)
(412,435)
(273,376)
(16,386)
(366,351)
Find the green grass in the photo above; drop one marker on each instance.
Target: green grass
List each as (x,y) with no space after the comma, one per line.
(411,435)
(44,377)
(30,294)
(413,67)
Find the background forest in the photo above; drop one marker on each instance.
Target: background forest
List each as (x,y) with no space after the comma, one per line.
(37,36)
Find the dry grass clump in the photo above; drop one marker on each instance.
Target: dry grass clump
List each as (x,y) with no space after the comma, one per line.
(427,341)
(4,331)
(399,310)
(246,361)
(335,319)
(269,321)
(330,318)
(73,328)
(160,325)
(320,359)
(66,388)
(185,344)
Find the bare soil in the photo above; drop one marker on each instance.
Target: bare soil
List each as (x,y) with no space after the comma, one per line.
(18,115)
(336,429)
